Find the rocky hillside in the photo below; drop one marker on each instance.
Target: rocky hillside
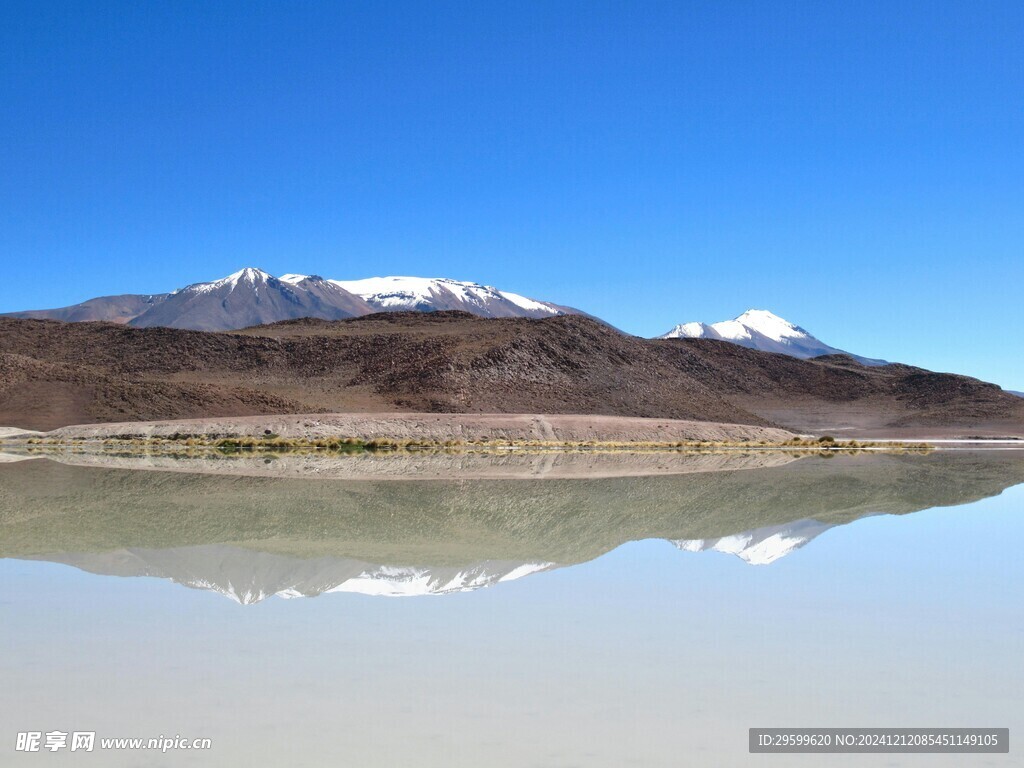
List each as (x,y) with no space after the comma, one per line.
(53,374)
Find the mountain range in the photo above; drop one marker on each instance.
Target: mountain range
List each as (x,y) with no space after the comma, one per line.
(254,297)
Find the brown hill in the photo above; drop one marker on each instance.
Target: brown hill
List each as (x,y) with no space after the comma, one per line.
(53,374)
(115,309)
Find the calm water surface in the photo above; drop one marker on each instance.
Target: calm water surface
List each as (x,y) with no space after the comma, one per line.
(545,619)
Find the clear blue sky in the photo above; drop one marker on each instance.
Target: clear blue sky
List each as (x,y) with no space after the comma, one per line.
(857,168)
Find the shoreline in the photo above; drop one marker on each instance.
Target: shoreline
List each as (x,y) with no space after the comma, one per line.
(462,432)
(420,428)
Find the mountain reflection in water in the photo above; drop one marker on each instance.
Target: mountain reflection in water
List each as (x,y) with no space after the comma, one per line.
(387,526)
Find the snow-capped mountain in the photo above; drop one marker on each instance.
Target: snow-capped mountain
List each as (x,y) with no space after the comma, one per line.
(247,576)
(254,297)
(762,330)
(250,297)
(760,546)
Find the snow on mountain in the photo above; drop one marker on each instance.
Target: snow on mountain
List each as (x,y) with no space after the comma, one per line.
(251,296)
(760,546)
(692,331)
(252,276)
(431,294)
(247,576)
(762,330)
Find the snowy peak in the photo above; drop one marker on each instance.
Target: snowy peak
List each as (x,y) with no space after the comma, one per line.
(771,325)
(764,331)
(249,276)
(431,294)
(693,331)
(752,322)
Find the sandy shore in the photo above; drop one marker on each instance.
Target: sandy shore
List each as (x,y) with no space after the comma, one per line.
(434,427)
(15,432)
(514,465)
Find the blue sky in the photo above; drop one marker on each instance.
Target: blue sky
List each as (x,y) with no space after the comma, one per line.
(856,168)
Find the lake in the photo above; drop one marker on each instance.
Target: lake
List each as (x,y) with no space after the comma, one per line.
(549,610)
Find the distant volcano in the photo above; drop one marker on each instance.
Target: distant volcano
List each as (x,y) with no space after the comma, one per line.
(762,330)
